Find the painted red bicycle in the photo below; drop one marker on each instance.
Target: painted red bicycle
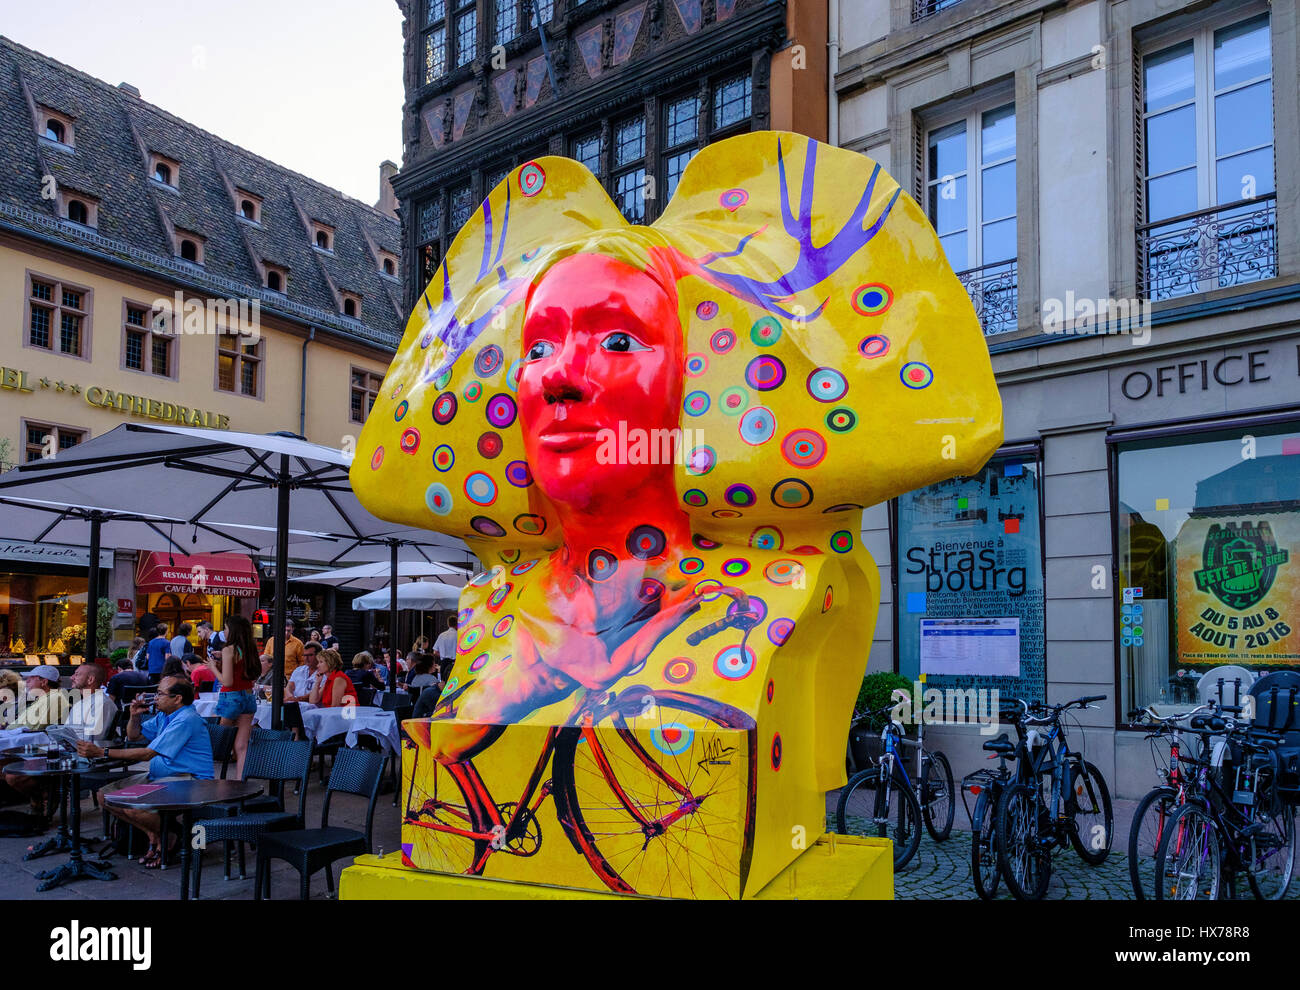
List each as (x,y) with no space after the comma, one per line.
(666,810)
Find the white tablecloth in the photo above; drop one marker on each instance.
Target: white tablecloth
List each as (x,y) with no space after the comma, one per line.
(206,706)
(10,739)
(353,721)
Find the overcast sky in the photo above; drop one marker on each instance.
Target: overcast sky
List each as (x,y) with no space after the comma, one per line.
(314,85)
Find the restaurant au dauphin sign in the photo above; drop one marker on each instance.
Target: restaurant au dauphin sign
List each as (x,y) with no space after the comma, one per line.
(21,382)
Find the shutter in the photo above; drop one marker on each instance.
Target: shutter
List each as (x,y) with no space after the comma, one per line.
(1139,143)
(918,161)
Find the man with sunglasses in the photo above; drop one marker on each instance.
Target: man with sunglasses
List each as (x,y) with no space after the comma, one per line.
(176,744)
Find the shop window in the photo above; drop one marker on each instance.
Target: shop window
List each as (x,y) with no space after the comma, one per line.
(1208,537)
(239,364)
(365,389)
(42,614)
(969,580)
(58,316)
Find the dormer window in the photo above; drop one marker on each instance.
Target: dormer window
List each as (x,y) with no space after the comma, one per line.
(78,208)
(351,305)
(189,247)
(322,236)
(388,264)
(248,206)
(165,171)
(55,127)
(277,278)
(389,268)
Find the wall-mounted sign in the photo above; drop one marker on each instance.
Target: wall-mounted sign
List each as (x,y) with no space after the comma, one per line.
(971,646)
(1238,590)
(51,553)
(141,406)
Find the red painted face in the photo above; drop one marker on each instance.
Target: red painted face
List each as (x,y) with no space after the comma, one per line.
(602,348)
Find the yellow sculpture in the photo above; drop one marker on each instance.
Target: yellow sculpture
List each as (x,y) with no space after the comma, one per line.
(659,441)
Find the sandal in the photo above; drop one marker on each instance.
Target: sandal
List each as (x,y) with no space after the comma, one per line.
(149,854)
(151,860)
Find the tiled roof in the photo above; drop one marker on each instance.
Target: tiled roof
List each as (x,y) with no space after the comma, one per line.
(114,134)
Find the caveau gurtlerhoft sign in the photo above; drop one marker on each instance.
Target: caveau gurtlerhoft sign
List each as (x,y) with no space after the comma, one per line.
(1238,590)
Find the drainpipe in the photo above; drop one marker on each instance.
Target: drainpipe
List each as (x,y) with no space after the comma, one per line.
(833,52)
(302,404)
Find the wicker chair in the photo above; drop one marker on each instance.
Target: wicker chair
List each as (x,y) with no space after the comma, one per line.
(223,745)
(307,850)
(275,762)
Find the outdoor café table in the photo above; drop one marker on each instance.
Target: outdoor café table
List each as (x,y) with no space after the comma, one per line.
(206,706)
(184,796)
(13,741)
(353,721)
(68,770)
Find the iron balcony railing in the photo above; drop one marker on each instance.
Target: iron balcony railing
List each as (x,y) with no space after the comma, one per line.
(992,289)
(924,8)
(1209,249)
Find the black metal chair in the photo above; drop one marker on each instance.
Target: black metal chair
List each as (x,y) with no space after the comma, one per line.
(365,696)
(395,701)
(269,735)
(222,738)
(275,762)
(308,850)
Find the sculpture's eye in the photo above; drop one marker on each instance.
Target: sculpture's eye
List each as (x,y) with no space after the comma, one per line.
(539,350)
(622,343)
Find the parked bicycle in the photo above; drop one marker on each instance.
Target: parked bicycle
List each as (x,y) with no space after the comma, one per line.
(1232,822)
(880,801)
(986,786)
(1058,797)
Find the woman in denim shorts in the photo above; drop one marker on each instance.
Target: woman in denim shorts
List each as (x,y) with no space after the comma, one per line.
(237,670)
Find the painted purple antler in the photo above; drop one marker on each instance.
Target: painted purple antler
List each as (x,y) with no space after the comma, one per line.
(443,321)
(815,263)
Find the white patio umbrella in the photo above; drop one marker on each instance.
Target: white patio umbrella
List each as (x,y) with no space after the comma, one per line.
(376,574)
(415,595)
(206,477)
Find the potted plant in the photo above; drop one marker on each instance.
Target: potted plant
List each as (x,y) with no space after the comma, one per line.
(876,692)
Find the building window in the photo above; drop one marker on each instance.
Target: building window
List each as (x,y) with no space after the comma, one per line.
(588,150)
(163,174)
(462,207)
(971,201)
(970,564)
(165,171)
(365,389)
(732,102)
(239,364)
(77,212)
(541,8)
(189,250)
(147,342)
(322,236)
(78,208)
(277,278)
(506,14)
(924,8)
(351,305)
(466,31)
(250,206)
(58,317)
(1207,544)
(44,441)
(56,127)
(1207,214)
(629,168)
(54,131)
(681,133)
(429,233)
(435,39)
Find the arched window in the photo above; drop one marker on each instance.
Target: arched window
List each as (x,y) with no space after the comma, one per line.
(322,240)
(189,250)
(247,210)
(54,131)
(273,281)
(163,173)
(389,267)
(77,212)
(350,307)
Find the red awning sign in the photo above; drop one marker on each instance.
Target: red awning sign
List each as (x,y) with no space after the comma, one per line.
(201,573)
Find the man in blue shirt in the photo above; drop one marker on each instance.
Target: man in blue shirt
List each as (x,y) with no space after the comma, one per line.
(177,747)
(158,650)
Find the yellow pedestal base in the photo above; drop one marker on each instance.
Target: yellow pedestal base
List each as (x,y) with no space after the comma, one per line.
(835,867)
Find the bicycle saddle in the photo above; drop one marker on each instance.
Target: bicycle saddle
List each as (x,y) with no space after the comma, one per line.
(1001,744)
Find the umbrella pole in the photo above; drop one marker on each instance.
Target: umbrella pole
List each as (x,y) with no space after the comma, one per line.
(281,589)
(92,590)
(392,616)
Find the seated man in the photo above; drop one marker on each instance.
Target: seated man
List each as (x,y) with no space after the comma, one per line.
(126,676)
(304,677)
(267,677)
(92,712)
(177,746)
(201,674)
(45,704)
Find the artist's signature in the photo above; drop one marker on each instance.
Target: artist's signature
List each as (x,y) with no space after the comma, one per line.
(714,752)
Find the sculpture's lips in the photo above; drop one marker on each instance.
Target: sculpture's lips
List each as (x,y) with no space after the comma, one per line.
(566,441)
